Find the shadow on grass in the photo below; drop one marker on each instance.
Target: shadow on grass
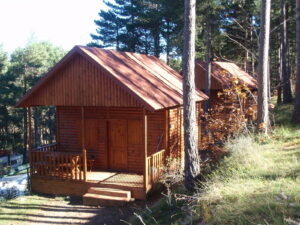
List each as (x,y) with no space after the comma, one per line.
(48,209)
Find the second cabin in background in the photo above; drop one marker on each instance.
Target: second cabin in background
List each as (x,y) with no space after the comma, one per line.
(223,75)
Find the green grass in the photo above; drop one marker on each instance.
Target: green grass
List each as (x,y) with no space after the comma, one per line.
(258,183)
(17,211)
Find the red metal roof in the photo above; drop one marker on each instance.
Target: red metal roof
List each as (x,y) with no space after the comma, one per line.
(154,83)
(223,72)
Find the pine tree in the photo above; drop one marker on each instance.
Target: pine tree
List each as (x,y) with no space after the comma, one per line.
(286,83)
(296,115)
(264,37)
(109,29)
(191,162)
(26,67)
(140,26)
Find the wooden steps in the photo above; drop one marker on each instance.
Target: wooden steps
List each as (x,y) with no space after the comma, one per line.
(99,196)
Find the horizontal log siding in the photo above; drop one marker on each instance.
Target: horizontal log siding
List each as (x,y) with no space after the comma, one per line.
(80,83)
(199,114)
(176,140)
(156,132)
(200,78)
(69,133)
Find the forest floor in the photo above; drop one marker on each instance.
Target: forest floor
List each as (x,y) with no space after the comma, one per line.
(42,210)
(257,183)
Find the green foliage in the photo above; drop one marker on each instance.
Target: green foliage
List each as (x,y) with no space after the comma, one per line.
(24,69)
(150,27)
(257,183)
(156,27)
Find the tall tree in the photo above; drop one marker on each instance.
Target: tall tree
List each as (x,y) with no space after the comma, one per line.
(263,68)
(191,163)
(27,65)
(208,58)
(148,26)
(296,115)
(109,28)
(287,92)
(239,22)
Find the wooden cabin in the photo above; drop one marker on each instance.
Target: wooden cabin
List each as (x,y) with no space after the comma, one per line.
(118,117)
(221,76)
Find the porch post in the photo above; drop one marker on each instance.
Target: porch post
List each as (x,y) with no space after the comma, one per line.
(145,123)
(83,144)
(29,138)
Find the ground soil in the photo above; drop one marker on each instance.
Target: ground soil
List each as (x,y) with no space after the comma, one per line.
(42,210)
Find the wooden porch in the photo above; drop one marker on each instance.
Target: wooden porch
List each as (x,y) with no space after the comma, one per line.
(53,172)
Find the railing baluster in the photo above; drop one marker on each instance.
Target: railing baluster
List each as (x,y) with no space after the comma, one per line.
(155,164)
(47,162)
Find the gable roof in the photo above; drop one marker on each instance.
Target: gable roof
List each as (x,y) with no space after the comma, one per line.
(151,82)
(223,72)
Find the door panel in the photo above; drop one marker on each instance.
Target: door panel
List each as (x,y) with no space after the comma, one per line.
(135,132)
(91,134)
(117,144)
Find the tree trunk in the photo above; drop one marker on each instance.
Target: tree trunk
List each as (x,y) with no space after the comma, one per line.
(168,41)
(279,89)
(264,38)
(208,61)
(192,162)
(156,43)
(287,92)
(25,125)
(296,115)
(253,49)
(246,60)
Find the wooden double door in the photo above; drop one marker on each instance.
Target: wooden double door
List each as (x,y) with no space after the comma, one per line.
(119,141)
(124,140)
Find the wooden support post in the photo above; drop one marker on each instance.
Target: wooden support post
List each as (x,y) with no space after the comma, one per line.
(166,147)
(84,166)
(82,129)
(145,122)
(84,158)
(29,139)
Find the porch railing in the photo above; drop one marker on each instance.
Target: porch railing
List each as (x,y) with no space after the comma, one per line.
(46,148)
(46,162)
(154,167)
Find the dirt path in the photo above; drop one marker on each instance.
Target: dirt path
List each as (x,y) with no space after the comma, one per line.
(59,211)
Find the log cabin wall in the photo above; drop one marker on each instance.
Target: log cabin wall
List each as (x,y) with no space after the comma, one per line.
(199,114)
(96,122)
(176,131)
(82,83)
(176,138)
(156,131)
(200,78)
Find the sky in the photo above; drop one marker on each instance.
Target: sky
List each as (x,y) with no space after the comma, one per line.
(64,23)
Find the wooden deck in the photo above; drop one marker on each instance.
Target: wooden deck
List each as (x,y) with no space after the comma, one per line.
(55,172)
(124,181)
(116,179)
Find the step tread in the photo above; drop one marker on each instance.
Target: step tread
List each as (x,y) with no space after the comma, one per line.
(106,197)
(109,189)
